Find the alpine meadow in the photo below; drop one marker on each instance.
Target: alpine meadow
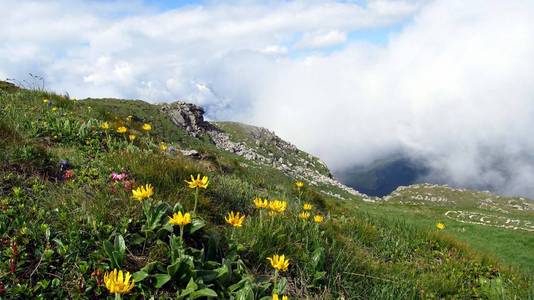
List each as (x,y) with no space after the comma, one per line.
(267,150)
(107,198)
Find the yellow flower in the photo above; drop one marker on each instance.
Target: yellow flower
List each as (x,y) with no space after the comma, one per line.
(180,219)
(132,137)
(54,108)
(45,101)
(118,283)
(299,184)
(143,192)
(318,219)
(261,203)
(279,262)
(440,226)
(129,118)
(235,219)
(147,127)
(307,206)
(304,215)
(277,206)
(275,297)
(122,129)
(162,147)
(197,182)
(104,125)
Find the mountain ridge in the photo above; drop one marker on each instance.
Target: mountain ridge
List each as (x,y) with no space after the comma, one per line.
(255,144)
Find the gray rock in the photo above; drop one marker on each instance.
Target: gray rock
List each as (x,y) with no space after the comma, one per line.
(187,116)
(190,153)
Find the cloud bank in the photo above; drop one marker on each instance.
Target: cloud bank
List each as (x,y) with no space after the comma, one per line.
(452,85)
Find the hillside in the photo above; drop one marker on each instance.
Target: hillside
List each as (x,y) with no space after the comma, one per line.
(72,211)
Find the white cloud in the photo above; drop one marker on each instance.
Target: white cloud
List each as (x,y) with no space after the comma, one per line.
(453,88)
(320,39)
(274,49)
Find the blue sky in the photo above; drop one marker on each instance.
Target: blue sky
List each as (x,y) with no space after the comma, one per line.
(172,4)
(375,34)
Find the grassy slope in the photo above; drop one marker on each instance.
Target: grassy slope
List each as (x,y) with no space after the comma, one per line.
(514,247)
(356,253)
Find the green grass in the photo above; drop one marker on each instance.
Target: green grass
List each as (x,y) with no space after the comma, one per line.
(61,234)
(513,247)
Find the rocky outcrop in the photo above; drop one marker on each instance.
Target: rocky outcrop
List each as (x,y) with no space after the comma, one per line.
(190,117)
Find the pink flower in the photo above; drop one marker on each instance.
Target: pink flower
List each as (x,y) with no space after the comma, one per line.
(118,177)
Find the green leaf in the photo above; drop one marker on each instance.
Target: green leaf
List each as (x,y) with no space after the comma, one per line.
(120,245)
(205,292)
(190,288)
(191,285)
(139,276)
(317,257)
(318,276)
(161,279)
(171,269)
(108,249)
(196,224)
(117,259)
(236,286)
(209,275)
(245,293)
(167,227)
(280,286)
(137,239)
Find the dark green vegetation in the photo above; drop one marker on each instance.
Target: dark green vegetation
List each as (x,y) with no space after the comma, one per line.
(64,222)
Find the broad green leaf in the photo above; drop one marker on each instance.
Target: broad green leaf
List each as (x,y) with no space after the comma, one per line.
(191,285)
(120,245)
(245,293)
(148,267)
(161,279)
(139,276)
(317,257)
(196,224)
(205,292)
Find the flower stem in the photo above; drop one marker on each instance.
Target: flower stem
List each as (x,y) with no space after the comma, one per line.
(275,280)
(196,200)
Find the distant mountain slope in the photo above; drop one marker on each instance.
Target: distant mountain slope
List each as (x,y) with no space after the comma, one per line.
(382,176)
